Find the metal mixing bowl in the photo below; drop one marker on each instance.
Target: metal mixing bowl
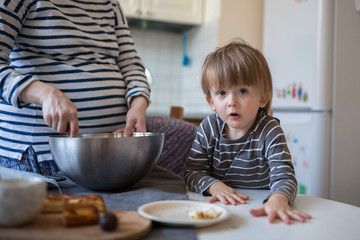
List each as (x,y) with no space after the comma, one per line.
(106,161)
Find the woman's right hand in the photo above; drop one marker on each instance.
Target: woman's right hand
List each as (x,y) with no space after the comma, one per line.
(58,111)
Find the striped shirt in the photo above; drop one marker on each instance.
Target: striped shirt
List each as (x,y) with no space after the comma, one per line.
(82,47)
(258,160)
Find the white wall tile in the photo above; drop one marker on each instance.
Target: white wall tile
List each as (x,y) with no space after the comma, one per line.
(175,84)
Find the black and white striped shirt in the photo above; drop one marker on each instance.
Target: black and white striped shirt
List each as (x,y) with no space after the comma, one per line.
(258,160)
(82,47)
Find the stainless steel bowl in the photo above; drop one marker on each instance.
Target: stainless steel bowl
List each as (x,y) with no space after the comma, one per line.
(106,161)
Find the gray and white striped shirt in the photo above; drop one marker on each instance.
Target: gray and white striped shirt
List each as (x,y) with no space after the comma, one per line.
(258,160)
(82,47)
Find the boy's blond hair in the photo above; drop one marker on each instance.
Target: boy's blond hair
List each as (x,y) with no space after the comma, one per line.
(236,63)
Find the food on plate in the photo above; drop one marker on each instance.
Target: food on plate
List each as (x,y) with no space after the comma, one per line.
(208,214)
(80,214)
(108,222)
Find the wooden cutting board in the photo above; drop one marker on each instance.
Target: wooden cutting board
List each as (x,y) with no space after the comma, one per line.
(50,226)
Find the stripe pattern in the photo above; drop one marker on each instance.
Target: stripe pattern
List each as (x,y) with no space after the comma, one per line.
(82,47)
(258,160)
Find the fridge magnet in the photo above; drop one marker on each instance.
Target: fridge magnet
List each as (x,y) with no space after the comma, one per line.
(302,189)
(294,91)
(306,164)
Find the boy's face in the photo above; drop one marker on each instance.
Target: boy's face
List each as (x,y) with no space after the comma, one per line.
(237,107)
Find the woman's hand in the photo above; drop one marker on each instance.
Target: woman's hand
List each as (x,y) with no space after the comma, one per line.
(225,194)
(58,111)
(277,206)
(135,118)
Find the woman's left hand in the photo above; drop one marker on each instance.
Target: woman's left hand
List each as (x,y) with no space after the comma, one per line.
(135,118)
(277,206)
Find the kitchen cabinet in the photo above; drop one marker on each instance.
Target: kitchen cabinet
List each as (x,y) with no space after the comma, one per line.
(173,11)
(241,19)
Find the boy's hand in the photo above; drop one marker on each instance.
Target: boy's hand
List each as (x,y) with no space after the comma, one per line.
(225,194)
(277,206)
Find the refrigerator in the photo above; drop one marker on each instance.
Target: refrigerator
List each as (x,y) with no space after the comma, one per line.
(298,45)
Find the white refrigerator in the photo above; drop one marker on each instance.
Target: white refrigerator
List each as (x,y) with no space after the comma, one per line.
(298,46)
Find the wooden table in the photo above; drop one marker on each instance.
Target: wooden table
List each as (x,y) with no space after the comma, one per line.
(159,185)
(330,221)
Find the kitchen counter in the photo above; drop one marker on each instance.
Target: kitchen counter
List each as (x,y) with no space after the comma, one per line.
(331,220)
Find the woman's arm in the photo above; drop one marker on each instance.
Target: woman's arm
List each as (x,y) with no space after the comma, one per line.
(58,111)
(11,82)
(133,70)
(19,89)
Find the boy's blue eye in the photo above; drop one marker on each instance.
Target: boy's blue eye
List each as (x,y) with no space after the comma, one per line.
(221,93)
(243,91)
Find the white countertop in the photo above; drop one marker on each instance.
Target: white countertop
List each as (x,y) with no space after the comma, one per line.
(330,221)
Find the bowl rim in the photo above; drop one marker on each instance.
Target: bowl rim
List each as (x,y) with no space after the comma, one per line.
(16,182)
(108,135)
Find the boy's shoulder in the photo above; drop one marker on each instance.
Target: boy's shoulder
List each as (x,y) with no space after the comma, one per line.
(212,124)
(212,120)
(266,123)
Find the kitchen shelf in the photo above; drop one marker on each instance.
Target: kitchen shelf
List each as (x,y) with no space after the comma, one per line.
(187,12)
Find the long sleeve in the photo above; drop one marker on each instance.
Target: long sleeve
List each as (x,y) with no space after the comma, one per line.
(282,174)
(129,61)
(198,166)
(12,82)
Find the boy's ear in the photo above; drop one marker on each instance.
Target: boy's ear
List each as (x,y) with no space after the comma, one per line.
(210,102)
(265,99)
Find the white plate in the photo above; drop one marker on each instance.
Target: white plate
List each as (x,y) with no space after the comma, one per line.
(176,213)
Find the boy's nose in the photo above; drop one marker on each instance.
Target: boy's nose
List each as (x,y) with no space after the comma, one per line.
(232,101)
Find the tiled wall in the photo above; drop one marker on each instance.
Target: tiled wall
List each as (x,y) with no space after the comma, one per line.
(202,41)
(161,54)
(173,83)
